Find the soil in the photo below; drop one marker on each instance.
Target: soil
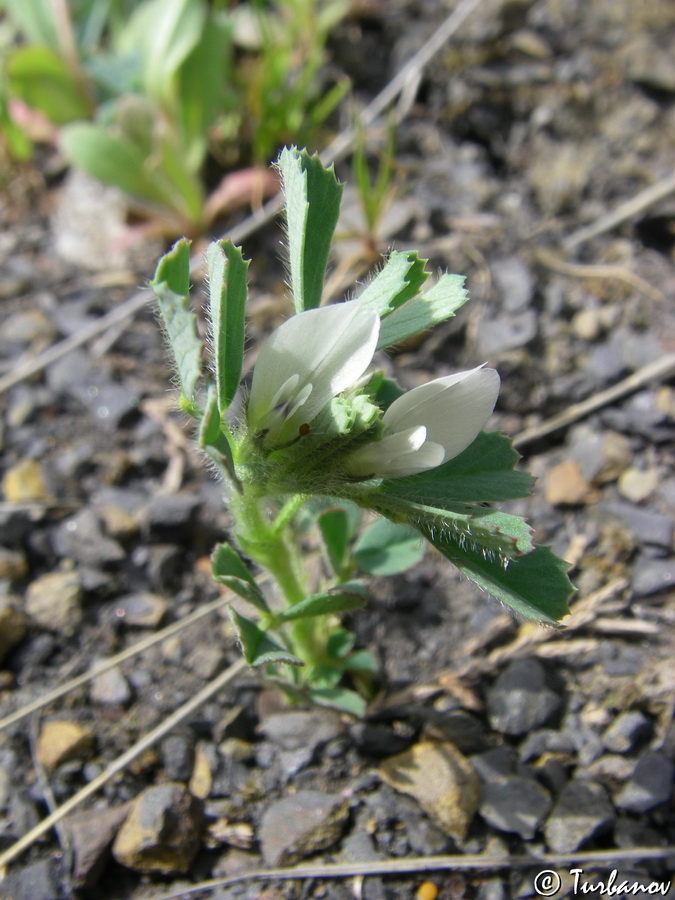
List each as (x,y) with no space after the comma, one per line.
(534,121)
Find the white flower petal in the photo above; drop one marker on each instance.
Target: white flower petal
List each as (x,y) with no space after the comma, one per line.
(328,349)
(403,453)
(453,409)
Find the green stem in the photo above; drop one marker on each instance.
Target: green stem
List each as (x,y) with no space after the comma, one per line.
(263,540)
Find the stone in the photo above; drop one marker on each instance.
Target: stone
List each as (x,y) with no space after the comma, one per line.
(37,881)
(80,538)
(650,576)
(582,812)
(637,485)
(143,609)
(373,739)
(650,784)
(171,516)
(495,764)
(299,734)
(301,824)
(24,482)
(515,804)
(627,730)
(91,834)
(12,624)
(61,740)
(564,485)
(162,832)
(54,601)
(514,283)
(13,565)
(201,779)
(118,523)
(178,755)
(441,779)
(110,688)
(520,701)
(206,660)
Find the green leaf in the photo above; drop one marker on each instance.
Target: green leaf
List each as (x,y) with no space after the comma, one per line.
(113,160)
(163,33)
(204,78)
(339,643)
(227,293)
(335,530)
(535,585)
(257,646)
(341,699)
(35,20)
(438,304)
(326,603)
(214,435)
(360,661)
(229,568)
(399,280)
(387,548)
(171,286)
(482,472)
(312,199)
(41,78)
(468,524)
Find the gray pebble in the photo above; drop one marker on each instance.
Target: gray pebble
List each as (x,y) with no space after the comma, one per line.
(110,688)
(514,283)
(650,784)
(80,538)
(583,811)
(178,756)
(515,804)
(520,700)
(171,516)
(652,575)
(646,526)
(37,881)
(495,764)
(627,730)
(301,824)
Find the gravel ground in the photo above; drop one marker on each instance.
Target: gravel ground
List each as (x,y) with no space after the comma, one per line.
(488,736)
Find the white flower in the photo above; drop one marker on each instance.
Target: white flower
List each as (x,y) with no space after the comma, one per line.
(429,425)
(306,362)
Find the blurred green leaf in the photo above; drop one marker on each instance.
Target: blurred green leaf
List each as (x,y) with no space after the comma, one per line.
(312,200)
(326,603)
(41,78)
(336,532)
(227,291)
(257,646)
(228,568)
(387,548)
(340,699)
(203,86)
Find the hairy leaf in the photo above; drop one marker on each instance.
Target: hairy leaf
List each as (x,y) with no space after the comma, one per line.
(227,293)
(312,199)
(535,585)
(257,646)
(171,286)
(438,304)
(229,568)
(400,279)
